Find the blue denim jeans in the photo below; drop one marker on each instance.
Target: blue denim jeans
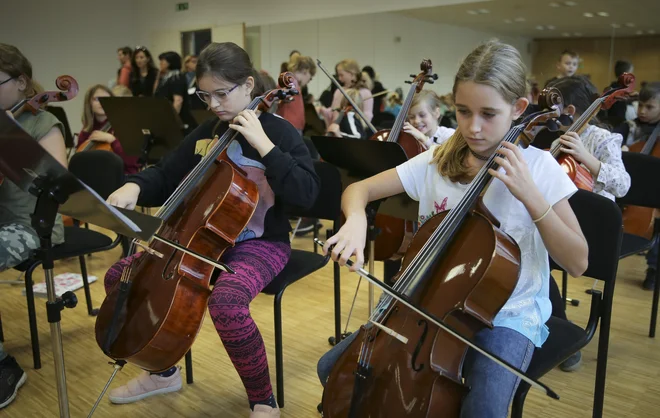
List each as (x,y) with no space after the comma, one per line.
(491,386)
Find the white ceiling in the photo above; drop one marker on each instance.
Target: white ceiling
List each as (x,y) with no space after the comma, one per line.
(565,19)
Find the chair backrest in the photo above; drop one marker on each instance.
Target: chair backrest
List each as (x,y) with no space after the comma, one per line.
(103,171)
(600,220)
(328,202)
(60,114)
(644,172)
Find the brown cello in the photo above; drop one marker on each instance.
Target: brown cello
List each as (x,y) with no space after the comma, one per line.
(577,172)
(394,235)
(154,315)
(68,89)
(457,274)
(638,220)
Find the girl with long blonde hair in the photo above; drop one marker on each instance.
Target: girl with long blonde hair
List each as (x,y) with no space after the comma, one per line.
(528,195)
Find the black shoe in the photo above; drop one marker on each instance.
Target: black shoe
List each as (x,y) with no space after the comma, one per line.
(649,281)
(12,377)
(572,363)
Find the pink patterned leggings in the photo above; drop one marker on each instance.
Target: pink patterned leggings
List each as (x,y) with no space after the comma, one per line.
(256,263)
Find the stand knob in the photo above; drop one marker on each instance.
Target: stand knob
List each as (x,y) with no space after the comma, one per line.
(69,300)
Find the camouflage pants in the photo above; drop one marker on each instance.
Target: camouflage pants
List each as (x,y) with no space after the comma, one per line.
(17,242)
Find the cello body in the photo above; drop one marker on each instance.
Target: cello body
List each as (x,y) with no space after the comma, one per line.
(168,296)
(466,288)
(638,220)
(578,174)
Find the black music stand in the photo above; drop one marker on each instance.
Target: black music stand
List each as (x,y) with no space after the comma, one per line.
(24,162)
(147,127)
(357,160)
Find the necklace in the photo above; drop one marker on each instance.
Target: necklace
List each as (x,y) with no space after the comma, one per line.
(477,156)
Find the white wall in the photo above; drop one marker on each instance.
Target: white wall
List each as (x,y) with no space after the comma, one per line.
(203,14)
(370,39)
(73,37)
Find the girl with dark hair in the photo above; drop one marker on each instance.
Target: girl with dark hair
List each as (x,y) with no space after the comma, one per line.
(143,72)
(274,156)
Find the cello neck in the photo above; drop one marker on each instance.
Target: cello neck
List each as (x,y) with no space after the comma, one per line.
(350,101)
(650,143)
(580,124)
(403,113)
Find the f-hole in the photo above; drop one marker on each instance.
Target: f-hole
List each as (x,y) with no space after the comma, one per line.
(170,275)
(413,362)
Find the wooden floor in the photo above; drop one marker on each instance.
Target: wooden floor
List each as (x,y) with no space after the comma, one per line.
(632,379)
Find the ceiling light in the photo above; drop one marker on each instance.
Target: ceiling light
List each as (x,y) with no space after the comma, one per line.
(578,34)
(520,19)
(508,21)
(603,14)
(483,11)
(551,27)
(554,4)
(616,25)
(539,27)
(472,12)
(640,32)
(651,32)
(570,3)
(565,34)
(587,14)
(630,25)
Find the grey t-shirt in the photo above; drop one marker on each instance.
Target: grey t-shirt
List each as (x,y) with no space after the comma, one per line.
(16,205)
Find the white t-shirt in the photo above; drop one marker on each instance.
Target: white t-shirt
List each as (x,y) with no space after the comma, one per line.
(441,135)
(528,308)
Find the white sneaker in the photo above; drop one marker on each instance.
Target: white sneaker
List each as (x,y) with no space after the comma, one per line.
(265,411)
(144,386)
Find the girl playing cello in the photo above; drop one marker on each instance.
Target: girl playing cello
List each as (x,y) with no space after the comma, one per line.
(528,195)
(274,156)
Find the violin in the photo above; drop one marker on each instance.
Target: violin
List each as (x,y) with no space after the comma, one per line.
(340,116)
(90,145)
(457,274)
(68,87)
(578,173)
(395,234)
(152,318)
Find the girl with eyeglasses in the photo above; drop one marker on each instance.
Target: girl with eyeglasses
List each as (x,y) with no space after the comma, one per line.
(274,156)
(18,240)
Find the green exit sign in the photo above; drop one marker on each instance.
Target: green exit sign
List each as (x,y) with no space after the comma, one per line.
(181,6)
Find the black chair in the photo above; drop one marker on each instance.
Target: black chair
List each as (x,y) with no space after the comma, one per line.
(103,172)
(644,191)
(600,220)
(301,264)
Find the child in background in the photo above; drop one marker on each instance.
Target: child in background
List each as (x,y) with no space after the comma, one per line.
(423,119)
(350,125)
(566,66)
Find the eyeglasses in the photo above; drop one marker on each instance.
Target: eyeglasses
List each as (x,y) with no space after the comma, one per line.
(7,80)
(219,95)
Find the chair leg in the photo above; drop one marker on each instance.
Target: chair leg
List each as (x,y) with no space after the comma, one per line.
(189,367)
(654,306)
(315,232)
(279,363)
(519,400)
(88,295)
(2,334)
(601,362)
(32,317)
(564,286)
